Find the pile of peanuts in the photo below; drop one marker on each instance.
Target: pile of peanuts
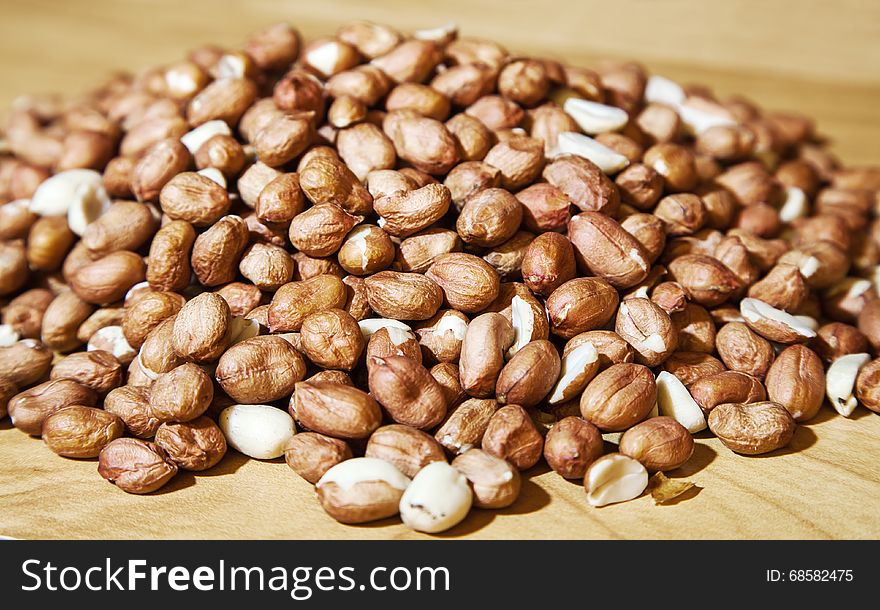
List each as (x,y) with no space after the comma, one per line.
(416,265)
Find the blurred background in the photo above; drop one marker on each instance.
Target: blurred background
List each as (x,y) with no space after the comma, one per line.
(818,57)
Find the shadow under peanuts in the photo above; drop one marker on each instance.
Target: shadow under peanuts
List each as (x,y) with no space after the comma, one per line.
(231,462)
(703,456)
(182,480)
(532,497)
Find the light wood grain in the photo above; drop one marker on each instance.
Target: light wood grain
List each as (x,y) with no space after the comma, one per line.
(819,57)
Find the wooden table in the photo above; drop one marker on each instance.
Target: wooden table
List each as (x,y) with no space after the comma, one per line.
(820,58)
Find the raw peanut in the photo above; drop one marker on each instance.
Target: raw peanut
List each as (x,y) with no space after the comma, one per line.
(307,267)
(496,484)
(469,284)
(649,230)
(182,394)
(132,405)
(438,498)
(614,478)
(168,265)
(619,397)
(200,328)
(610,347)
(507,258)
(194,198)
(367,249)
(469,178)
(726,386)
(135,466)
(407,390)
(489,218)
(423,99)
(125,226)
(545,207)
(695,329)
(418,252)
(425,143)
(195,445)
(391,341)
(530,375)
(705,279)
(162,162)
(225,99)
(525,313)
(108,279)
(464,84)
(16,219)
(49,240)
(571,445)
(580,305)
(280,200)
(675,163)
(295,301)
(743,350)
(283,138)
(97,370)
(258,431)
(670,297)
(361,489)
(157,354)
(321,230)
(840,382)
(142,317)
(547,123)
(7,391)
(446,374)
(310,454)
(660,444)
(335,409)
(776,324)
(604,248)
(30,408)
(442,335)
(754,428)
(267,266)
(404,213)
(796,380)
(640,186)
(487,339)
(869,323)
(222,152)
(466,424)
(326,179)
(260,369)
(682,213)
(81,432)
(512,436)
(407,448)
(520,160)
(837,339)
(62,320)
(25,312)
(217,252)
(254,180)
(692,366)
(750,184)
(403,296)
(648,328)
(584,184)
(868,386)
(332,339)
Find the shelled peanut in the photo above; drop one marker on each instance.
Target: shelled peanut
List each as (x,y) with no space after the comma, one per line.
(417,265)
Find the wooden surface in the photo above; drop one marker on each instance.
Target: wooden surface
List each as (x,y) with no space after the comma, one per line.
(821,58)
